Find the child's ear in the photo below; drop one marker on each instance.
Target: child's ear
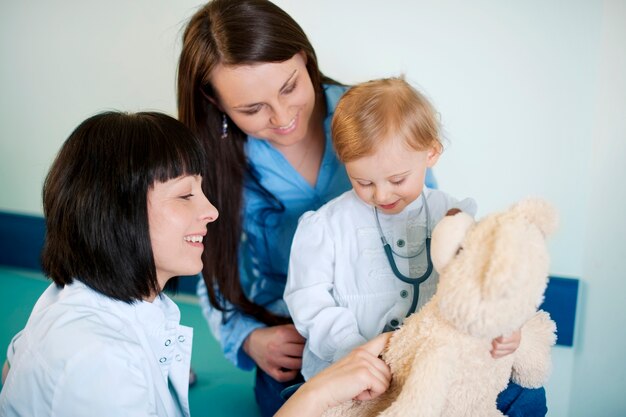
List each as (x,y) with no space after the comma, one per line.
(433,155)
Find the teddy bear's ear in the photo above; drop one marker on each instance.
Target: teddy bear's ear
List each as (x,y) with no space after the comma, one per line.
(540,213)
(448,237)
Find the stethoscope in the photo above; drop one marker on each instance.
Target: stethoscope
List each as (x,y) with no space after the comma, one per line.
(414,281)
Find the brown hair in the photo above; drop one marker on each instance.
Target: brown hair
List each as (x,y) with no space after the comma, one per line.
(230,32)
(375,110)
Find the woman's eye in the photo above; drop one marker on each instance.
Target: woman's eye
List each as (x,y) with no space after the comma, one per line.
(398,182)
(252,110)
(289,88)
(186,196)
(369,184)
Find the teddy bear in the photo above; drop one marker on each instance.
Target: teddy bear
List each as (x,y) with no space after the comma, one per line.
(492,277)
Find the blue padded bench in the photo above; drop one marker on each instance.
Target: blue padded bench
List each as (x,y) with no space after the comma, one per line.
(21,240)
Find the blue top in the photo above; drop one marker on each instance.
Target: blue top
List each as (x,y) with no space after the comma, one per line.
(275,196)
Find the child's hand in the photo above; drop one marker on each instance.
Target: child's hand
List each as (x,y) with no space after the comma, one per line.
(505,345)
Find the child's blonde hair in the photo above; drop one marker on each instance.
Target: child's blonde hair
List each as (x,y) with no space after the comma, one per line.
(373,111)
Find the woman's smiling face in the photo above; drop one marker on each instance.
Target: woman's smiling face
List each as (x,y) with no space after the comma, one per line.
(178,213)
(273,101)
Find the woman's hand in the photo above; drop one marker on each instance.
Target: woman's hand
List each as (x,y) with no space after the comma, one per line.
(277,350)
(361,375)
(505,345)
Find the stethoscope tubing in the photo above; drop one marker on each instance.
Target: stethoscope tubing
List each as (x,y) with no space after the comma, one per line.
(414,281)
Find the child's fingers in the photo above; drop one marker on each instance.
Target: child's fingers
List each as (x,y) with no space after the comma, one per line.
(499,350)
(505,345)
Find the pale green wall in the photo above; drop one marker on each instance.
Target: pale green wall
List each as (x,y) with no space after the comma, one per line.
(531,94)
(599,371)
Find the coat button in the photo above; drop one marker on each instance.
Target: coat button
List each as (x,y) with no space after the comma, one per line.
(400,243)
(168,342)
(181,338)
(163,359)
(394,322)
(404,293)
(179,358)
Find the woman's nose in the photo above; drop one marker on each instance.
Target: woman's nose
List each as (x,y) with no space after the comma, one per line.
(280,116)
(209,212)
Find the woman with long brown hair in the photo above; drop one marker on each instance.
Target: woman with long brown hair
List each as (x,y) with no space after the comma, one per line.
(250,88)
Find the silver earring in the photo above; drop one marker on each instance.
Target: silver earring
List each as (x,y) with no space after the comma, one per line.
(224,126)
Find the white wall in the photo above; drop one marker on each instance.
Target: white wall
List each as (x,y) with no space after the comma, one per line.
(531,94)
(599,371)
(65,60)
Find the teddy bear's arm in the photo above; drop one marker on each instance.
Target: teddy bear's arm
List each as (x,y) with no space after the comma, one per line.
(532,359)
(425,389)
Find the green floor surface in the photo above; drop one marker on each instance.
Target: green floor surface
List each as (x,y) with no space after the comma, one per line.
(221,390)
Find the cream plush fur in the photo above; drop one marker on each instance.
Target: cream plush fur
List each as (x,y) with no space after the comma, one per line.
(492,278)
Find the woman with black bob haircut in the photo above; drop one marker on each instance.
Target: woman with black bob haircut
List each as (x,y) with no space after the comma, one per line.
(125,216)
(95,200)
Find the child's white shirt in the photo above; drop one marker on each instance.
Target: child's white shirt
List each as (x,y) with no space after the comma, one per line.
(341,291)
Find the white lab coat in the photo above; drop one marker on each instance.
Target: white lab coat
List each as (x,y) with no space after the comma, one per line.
(340,289)
(84,354)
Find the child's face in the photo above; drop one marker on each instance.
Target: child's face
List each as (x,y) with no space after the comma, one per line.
(273,101)
(178,213)
(393,176)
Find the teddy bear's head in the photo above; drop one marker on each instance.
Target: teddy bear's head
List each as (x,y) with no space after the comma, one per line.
(493,273)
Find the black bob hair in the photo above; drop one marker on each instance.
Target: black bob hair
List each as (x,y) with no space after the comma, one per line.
(95,200)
